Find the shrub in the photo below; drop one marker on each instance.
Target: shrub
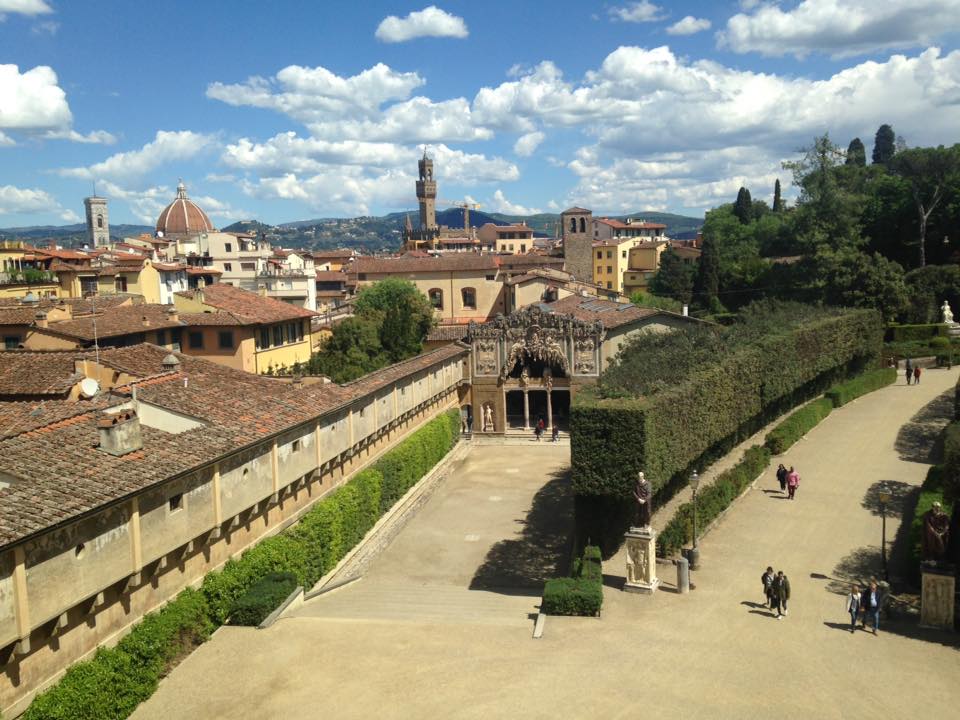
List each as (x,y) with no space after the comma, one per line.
(906,333)
(931,491)
(842,393)
(940,344)
(262,598)
(712,500)
(581,594)
(951,461)
(797,425)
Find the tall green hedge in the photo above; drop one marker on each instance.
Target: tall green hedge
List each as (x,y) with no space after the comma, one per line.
(712,500)
(908,333)
(951,460)
(262,598)
(797,425)
(842,393)
(116,680)
(670,430)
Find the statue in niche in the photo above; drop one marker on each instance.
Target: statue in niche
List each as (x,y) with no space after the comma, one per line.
(936,533)
(547,378)
(947,313)
(488,418)
(643,495)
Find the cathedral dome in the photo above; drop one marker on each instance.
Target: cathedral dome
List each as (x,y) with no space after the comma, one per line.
(183,216)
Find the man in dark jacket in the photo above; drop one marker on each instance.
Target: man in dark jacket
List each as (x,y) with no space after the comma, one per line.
(781,591)
(870,600)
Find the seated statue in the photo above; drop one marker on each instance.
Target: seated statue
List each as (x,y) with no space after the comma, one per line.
(936,533)
(947,313)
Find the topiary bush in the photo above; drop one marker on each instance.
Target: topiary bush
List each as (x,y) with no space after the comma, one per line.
(712,500)
(842,393)
(797,425)
(262,598)
(911,333)
(951,461)
(581,594)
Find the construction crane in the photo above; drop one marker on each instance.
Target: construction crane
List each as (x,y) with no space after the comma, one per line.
(466,207)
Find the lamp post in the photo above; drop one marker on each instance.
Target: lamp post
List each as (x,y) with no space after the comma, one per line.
(694,551)
(884,499)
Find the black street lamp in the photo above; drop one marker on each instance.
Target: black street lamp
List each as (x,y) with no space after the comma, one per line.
(694,551)
(884,499)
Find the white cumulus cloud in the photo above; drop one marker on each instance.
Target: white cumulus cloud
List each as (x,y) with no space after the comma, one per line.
(638,12)
(26,201)
(166,147)
(24,7)
(500,204)
(839,29)
(429,22)
(689,25)
(527,144)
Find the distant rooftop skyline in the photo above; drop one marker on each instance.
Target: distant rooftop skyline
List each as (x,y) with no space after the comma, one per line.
(322,110)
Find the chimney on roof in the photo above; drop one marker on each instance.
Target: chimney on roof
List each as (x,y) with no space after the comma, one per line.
(173,314)
(170,363)
(262,290)
(686,310)
(146,320)
(40,319)
(120,433)
(297,382)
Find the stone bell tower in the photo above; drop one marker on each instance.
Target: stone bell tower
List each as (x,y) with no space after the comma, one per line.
(427,197)
(98,222)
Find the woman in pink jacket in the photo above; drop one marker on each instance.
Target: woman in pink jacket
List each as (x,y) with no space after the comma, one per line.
(793,482)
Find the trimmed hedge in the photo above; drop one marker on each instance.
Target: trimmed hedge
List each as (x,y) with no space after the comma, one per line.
(932,490)
(797,425)
(677,427)
(116,680)
(842,393)
(951,460)
(581,594)
(908,333)
(712,500)
(262,598)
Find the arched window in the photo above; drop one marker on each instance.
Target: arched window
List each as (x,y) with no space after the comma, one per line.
(583,225)
(573,224)
(99,221)
(436,298)
(469,298)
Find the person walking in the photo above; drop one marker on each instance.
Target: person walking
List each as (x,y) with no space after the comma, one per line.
(782,477)
(781,588)
(853,606)
(540,427)
(555,434)
(916,375)
(908,371)
(870,602)
(767,581)
(793,482)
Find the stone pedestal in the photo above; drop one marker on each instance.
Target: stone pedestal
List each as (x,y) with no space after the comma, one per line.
(937,597)
(641,560)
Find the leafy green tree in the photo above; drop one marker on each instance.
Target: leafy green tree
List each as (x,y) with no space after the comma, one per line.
(884,145)
(405,315)
(642,299)
(674,278)
(743,207)
(777,199)
(929,173)
(353,350)
(856,153)
(927,288)
(708,275)
(854,279)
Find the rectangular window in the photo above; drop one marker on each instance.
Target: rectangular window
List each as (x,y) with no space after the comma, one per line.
(175,502)
(599,254)
(523,248)
(120,283)
(248,266)
(88,285)
(195,340)
(623,254)
(228,267)
(227,247)
(609,254)
(161,337)
(609,284)
(278,334)
(225,339)
(491,277)
(609,269)
(10,342)
(176,338)
(296,446)
(263,339)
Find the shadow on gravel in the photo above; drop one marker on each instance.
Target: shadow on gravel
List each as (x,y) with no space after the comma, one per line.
(857,567)
(521,566)
(919,439)
(899,491)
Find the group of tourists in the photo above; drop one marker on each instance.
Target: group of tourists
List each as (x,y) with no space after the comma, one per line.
(789,480)
(865,605)
(776,591)
(541,427)
(912,372)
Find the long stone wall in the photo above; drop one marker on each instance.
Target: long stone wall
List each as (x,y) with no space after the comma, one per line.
(83,585)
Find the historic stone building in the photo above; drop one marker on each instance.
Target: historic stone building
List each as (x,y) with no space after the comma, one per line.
(577,233)
(98,221)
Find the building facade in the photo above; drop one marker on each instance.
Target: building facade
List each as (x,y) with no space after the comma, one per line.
(577,235)
(98,221)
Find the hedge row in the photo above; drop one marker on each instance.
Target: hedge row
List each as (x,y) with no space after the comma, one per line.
(262,598)
(712,500)
(797,425)
(679,426)
(907,333)
(580,594)
(844,392)
(951,460)
(931,491)
(116,680)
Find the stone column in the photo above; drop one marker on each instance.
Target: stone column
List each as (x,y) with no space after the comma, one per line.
(641,560)
(526,410)
(549,411)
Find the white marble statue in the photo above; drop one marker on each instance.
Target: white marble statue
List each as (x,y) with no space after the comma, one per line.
(947,313)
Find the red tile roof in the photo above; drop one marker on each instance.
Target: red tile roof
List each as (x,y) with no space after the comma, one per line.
(248,305)
(405,265)
(619,225)
(23,372)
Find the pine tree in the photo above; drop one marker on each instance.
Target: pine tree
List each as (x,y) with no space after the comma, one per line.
(884,145)
(777,200)
(857,153)
(743,207)
(708,273)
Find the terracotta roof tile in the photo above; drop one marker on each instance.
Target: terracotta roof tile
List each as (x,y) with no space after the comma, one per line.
(248,305)
(23,372)
(460,262)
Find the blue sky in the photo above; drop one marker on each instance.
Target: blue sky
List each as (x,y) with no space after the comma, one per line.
(290,110)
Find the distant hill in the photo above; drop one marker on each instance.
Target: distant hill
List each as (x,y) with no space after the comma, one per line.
(248,226)
(68,235)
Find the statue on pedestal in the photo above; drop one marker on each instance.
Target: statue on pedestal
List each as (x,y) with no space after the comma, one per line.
(643,495)
(936,533)
(947,313)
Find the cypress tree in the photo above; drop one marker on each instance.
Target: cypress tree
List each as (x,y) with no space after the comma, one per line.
(884,145)
(743,207)
(777,200)
(708,273)
(857,153)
